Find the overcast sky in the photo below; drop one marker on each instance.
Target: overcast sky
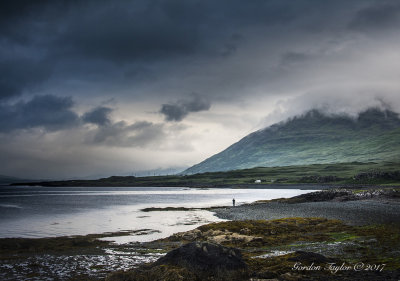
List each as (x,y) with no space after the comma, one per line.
(99,88)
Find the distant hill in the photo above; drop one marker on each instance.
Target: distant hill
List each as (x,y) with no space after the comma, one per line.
(5,180)
(313,138)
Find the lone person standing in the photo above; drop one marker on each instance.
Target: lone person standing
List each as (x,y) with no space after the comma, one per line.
(233,202)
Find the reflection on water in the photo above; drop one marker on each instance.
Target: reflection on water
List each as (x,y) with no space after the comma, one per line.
(49,211)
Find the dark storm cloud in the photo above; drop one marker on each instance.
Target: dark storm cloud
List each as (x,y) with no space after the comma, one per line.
(123,34)
(20,74)
(25,61)
(13,16)
(173,112)
(380,15)
(75,40)
(208,46)
(52,113)
(179,110)
(152,30)
(48,112)
(99,116)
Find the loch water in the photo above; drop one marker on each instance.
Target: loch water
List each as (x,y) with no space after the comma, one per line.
(35,212)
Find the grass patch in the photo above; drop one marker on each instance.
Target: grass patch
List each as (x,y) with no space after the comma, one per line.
(343,236)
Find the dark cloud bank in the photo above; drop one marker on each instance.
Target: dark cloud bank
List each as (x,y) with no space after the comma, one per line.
(56,56)
(121,41)
(179,110)
(48,112)
(52,113)
(99,116)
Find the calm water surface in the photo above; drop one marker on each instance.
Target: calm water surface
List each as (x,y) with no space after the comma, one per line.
(50,211)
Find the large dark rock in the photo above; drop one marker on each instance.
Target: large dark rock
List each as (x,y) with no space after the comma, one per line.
(196,261)
(204,256)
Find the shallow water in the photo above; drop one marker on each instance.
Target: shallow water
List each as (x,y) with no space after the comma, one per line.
(62,267)
(54,211)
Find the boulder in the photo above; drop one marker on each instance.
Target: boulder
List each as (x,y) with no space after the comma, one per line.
(196,261)
(204,256)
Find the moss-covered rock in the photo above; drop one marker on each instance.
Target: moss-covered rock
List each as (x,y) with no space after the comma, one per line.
(193,261)
(272,248)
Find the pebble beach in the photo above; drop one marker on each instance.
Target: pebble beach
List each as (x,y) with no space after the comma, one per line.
(358,212)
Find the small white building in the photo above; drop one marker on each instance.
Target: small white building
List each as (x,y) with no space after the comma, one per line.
(257,181)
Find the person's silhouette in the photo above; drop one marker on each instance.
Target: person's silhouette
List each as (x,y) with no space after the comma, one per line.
(233,202)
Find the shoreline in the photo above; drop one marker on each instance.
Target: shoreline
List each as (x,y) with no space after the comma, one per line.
(279,208)
(100,258)
(354,207)
(310,186)
(302,186)
(353,212)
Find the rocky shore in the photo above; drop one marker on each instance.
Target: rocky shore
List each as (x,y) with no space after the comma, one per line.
(283,249)
(353,206)
(335,234)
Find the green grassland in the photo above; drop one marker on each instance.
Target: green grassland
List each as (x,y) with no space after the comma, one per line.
(339,173)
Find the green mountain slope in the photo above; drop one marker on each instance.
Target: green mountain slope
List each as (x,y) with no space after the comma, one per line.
(313,138)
